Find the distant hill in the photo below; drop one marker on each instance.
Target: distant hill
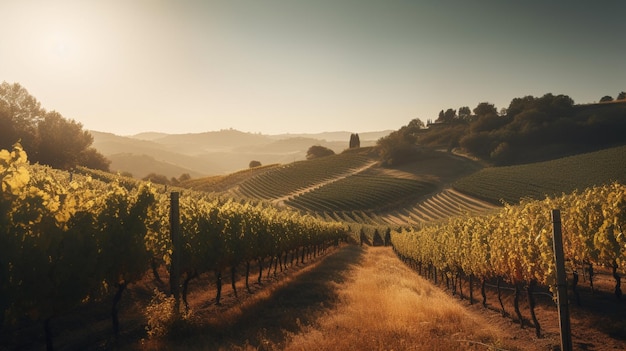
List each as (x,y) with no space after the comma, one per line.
(336,136)
(148,136)
(212,153)
(353,187)
(138,164)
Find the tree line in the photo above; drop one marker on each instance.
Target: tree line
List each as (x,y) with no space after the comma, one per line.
(47,136)
(530,129)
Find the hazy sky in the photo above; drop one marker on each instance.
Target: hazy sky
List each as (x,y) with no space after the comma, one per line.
(273,66)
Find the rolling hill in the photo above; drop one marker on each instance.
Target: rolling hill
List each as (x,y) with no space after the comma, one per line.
(212,153)
(353,188)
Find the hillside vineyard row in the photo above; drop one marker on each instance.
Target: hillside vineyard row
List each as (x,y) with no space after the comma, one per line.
(66,239)
(515,243)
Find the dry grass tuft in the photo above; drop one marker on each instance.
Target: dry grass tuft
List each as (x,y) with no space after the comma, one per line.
(386,306)
(354,299)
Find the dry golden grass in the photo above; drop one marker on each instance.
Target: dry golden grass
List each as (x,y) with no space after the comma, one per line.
(262,320)
(354,299)
(386,306)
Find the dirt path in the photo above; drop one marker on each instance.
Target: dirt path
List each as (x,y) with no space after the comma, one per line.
(353,299)
(386,306)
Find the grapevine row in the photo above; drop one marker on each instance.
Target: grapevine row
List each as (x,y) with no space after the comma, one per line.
(66,239)
(514,244)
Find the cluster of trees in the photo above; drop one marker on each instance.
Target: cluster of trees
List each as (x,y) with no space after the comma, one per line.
(162,179)
(400,146)
(47,136)
(529,129)
(355,141)
(317,151)
(609,98)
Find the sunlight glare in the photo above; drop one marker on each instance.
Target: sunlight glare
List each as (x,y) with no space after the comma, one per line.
(61,47)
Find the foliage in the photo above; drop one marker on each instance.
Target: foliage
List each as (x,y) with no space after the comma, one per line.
(355,141)
(515,243)
(606,98)
(400,146)
(530,129)
(68,238)
(49,138)
(160,314)
(156,178)
(254,164)
(316,151)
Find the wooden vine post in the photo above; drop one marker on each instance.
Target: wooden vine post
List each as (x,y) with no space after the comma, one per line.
(564,321)
(176,249)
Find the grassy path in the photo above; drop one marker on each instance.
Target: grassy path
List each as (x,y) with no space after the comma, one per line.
(354,299)
(386,306)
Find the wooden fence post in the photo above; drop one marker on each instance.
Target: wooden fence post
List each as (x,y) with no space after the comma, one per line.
(564,321)
(176,250)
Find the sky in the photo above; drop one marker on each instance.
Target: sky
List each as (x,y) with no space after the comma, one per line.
(296,66)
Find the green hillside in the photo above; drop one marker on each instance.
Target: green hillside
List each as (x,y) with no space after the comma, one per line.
(352,187)
(538,180)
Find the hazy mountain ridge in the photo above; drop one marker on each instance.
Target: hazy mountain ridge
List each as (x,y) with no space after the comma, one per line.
(213,153)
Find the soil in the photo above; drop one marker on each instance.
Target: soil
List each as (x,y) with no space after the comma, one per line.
(596,324)
(256,318)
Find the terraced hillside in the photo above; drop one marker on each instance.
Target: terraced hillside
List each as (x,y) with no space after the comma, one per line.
(222,183)
(360,191)
(288,180)
(446,203)
(538,180)
(352,188)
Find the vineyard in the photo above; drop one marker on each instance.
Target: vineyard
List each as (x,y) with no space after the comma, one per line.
(299,176)
(551,178)
(514,244)
(71,239)
(67,239)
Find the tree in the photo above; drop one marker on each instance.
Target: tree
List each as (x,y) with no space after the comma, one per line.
(91,158)
(415,125)
(316,151)
(48,137)
(606,98)
(621,96)
(484,109)
(399,146)
(8,135)
(24,112)
(61,142)
(450,115)
(254,163)
(441,117)
(447,117)
(519,105)
(465,113)
(156,178)
(355,142)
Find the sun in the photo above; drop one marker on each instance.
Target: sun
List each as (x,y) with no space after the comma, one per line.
(61,46)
